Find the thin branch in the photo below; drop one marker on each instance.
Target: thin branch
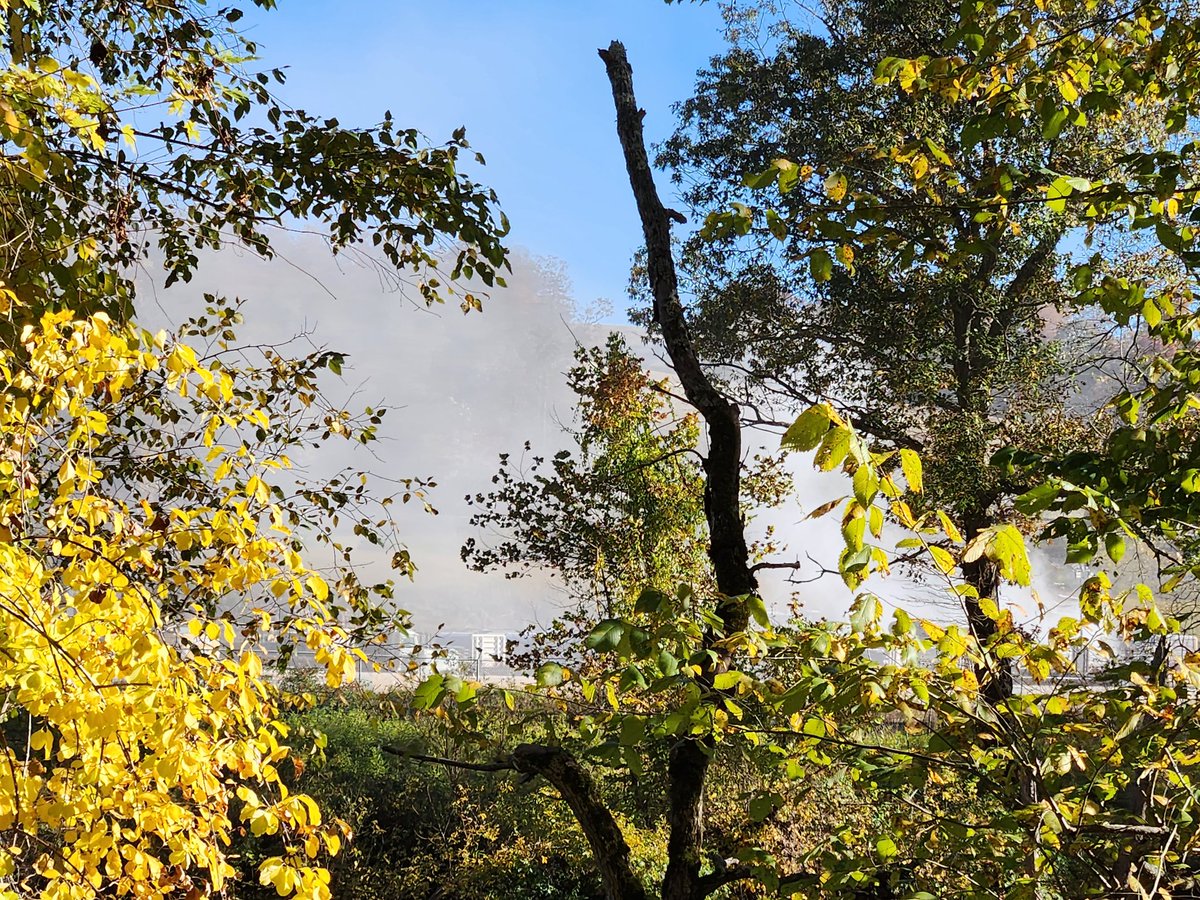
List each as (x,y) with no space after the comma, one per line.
(499,765)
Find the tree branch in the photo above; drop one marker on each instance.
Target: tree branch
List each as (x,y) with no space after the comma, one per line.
(727,546)
(776,565)
(499,765)
(735,871)
(575,785)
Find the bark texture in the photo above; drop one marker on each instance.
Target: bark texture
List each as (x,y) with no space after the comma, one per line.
(689,758)
(604,836)
(727,539)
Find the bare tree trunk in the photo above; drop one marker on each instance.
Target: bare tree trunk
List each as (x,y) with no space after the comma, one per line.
(689,758)
(604,836)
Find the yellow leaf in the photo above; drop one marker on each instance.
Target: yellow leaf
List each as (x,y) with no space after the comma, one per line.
(950,528)
(318,587)
(943,559)
(910,464)
(836,186)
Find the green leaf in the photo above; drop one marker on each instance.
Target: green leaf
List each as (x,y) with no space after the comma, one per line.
(886,848)
(866,486)
(888,67)
(726,680)
(789,174)
(1151,313)
(854,528)
(776,225)
(856,560)
(761,807)
(809,428)
(820,265)
(651,601)
(429,692)
(1190,482)
(633,730)
(938,153)
(758,610)
(1114,546)
(920,690)
(606,635)
(876,521)
(1082,551)
(1007,549)
(834,449)
(1054,124)
(1040,498)
(667,663)
(865,612)
(759,180)
(1056,196)
(549,674)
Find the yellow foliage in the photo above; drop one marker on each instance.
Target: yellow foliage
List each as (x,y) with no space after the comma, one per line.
(151,739)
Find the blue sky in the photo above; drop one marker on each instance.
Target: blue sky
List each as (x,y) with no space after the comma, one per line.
(524,78)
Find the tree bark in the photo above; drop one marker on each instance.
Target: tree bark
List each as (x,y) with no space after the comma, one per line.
(689,758)
(687,769)
(995,675)
(576,787)
(727,539)
(604,836)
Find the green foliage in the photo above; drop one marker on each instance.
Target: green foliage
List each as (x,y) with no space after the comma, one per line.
(1077,71)
(620,514)
(860,273)
(151,125)
(1047,793)
(426,830)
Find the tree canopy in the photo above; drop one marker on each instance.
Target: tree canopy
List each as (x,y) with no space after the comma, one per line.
(152,535)
(145,125)
(1064,783)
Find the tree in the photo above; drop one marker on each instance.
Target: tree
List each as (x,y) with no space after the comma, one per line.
(620,512)
(143,125)
(1076,69)
(938,330)
(137,601)
(1082,788)
(1066,72)
(151,536)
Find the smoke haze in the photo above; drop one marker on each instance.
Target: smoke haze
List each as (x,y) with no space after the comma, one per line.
(461,390)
